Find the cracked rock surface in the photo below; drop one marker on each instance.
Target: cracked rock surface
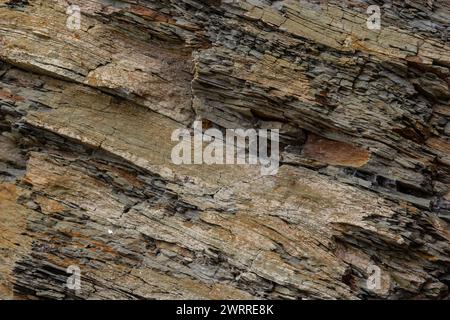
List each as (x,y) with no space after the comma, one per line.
(86,118)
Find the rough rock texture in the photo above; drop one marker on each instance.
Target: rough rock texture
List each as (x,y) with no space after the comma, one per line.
(86,178)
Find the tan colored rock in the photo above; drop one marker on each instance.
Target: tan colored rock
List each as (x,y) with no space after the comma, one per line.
(335,152)
(86,177)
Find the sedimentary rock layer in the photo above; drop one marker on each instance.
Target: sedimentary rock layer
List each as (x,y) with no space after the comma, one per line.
(86,177)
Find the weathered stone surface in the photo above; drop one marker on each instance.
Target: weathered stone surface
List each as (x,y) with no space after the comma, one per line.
(86,179)
(334,152)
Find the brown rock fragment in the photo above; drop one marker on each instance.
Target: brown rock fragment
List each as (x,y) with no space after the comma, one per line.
(335,152)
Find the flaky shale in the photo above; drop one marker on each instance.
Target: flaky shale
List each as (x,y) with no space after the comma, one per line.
(86,180)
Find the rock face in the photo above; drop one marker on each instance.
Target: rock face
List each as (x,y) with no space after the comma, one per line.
(86,178)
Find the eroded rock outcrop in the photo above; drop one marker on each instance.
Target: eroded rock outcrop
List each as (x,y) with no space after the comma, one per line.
(86,177)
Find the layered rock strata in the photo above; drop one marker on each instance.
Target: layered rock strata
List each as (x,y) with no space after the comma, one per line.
(86,178)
